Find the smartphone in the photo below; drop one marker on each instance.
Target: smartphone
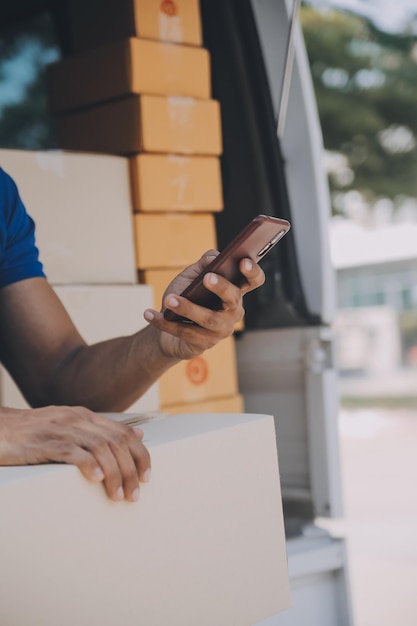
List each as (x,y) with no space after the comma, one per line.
(253,242)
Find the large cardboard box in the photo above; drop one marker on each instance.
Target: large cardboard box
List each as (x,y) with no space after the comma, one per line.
(100,21)
(125,67)
(82,209)
(204,545)
(232,404)
(210,375)
(144,124)
(172,240)
(99,312)
(171,182)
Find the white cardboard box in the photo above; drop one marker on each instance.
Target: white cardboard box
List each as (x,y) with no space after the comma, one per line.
(81,205)
(99,312)
(204,545)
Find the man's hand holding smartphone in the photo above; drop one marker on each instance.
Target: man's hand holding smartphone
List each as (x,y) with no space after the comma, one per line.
(209,293)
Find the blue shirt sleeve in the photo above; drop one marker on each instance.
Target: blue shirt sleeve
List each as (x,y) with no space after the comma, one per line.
(19,257)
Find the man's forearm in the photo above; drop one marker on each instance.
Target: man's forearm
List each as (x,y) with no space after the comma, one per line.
(111,375)
(52,364)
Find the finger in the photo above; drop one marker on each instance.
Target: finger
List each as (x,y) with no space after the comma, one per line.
(229,294)
(190,333)
(113,481)
(254,275)
(65,452)
(142,460)
(128,470)
(205,260)
(208,257)
(122,439)
(132,457)
(182,280)
(193,270)
(138,432)
(208,329)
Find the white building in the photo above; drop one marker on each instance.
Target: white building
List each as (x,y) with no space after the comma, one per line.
(375,266)
(377,287)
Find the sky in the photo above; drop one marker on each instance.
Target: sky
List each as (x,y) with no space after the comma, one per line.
(389,15)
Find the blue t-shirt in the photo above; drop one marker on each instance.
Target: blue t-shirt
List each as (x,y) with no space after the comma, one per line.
(19,257)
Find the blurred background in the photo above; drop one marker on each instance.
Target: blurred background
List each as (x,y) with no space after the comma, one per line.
(363,59)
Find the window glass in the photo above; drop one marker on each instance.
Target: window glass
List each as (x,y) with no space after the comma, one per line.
(26,47)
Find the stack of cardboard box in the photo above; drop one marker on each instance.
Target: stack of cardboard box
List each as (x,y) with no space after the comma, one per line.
(139,86)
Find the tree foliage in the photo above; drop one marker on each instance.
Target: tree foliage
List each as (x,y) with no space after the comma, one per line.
(25,49)
(366,88)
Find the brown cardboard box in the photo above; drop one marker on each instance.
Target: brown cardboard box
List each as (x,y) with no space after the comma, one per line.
(159,280)
(211,375)
(100,21)
(172,240)
(144,124)
(176,183)
(233,404)
(129,66)
(204,546)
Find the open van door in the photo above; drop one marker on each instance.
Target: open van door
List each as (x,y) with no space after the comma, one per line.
(285,354)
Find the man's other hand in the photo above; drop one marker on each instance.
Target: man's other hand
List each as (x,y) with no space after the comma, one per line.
(104,451)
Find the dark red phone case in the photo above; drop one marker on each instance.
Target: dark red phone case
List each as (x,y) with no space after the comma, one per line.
(253,242)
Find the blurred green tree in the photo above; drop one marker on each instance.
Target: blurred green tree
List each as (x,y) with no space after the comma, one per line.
(365,82)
